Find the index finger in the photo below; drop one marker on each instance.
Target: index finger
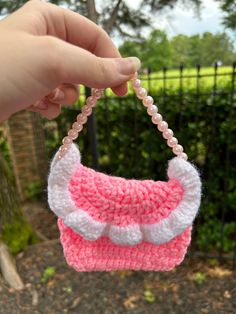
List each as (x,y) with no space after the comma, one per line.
(80,31)
(42,18)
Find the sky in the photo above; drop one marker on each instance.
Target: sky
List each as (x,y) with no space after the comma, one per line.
(185,21)
(182,20)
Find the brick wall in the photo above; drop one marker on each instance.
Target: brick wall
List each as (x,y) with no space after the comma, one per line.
(27,148)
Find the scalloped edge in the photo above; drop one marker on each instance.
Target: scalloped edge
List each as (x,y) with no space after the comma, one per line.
(80,221)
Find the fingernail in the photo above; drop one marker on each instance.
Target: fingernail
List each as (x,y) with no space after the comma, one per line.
(128,65)
(58,95)
(41,105)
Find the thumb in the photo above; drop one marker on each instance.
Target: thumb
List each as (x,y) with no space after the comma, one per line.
(79,66)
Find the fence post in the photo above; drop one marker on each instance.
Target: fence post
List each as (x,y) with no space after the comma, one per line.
(227,163)
(92,135)
(164,69)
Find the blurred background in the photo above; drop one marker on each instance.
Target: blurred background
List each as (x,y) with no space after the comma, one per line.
(188,54)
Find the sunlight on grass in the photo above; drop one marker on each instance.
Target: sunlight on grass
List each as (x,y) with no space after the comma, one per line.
(190,78)
(173,82)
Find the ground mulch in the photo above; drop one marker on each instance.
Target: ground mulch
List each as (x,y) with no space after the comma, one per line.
(197,286)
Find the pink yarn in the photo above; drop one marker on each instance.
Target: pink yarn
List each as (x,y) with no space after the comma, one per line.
(111,223)
(103,255)
(123,202)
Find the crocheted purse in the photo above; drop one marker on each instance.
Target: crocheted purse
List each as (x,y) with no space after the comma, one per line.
(111,223)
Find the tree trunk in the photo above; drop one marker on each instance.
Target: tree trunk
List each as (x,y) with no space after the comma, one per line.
(92,12)
(8,268)
(9,198)
(112,20)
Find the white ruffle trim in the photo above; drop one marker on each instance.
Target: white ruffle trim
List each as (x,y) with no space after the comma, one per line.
(80,221)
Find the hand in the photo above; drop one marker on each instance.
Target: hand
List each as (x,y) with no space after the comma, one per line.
(46,51)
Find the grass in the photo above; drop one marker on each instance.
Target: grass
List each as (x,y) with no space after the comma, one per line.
(189,80)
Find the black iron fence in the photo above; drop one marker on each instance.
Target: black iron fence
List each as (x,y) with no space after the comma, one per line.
(200,106)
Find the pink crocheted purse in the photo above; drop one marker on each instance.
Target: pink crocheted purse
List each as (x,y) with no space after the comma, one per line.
(111,223)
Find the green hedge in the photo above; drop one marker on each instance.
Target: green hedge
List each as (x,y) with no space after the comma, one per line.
(130,146)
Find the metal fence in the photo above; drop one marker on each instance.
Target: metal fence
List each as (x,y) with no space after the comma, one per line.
(163,79)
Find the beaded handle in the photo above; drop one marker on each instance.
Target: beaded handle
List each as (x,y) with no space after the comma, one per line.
(152,111)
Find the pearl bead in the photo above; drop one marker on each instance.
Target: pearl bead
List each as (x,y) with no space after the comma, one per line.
(73,134)
(183,156)
(172,142)
(162,126)
(81,118)
(141,92)
(178,149)
(91,101)
(148,101)
(151,110)
(63,149)
(77,126)
(67,140)
(167,134)
(61,154)
(156,118)
(97,93)
(87,110)
(136,83)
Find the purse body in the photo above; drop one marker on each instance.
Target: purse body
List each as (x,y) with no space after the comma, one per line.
(110,223)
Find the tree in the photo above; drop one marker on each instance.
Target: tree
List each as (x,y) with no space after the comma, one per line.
(217,47)
(204,50)
(181,48)
(158,51)
(118,16)
(115,16)
(155,52)
(229,6)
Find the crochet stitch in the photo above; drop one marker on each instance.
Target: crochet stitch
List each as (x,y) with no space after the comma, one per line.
(110,212)
(103,255)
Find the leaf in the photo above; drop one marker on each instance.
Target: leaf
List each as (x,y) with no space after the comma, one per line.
(149,296)
(199,278)
(48,273)
(67,289)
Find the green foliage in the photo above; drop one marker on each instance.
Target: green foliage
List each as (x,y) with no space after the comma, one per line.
(182,49)
(18,235)
(217,235)
(229,6)
(34,191)
(213,262)
(4,147)
(157,44)
(200,278)
(149,296)
(68,290)
(48,273)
